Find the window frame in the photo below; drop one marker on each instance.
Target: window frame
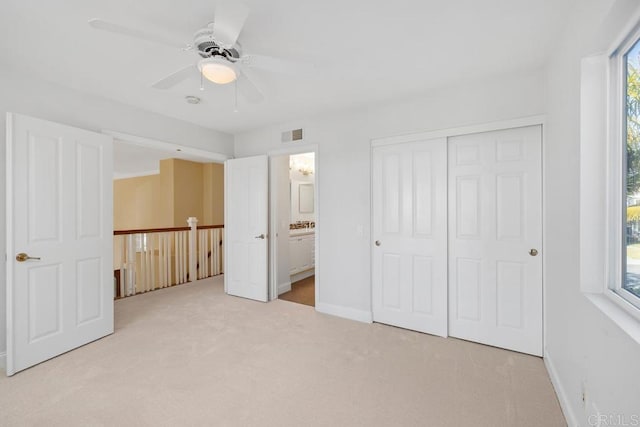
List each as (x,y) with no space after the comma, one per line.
(601,164)
(617,260)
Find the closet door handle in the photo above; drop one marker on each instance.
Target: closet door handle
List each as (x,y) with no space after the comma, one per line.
(378,242)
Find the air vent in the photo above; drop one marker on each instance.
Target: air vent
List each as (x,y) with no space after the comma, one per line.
(294,135)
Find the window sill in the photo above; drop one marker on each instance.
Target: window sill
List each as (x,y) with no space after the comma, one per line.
(614,307)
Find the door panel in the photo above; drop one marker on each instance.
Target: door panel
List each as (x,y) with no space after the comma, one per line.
(43,177)
(468,207)
(410,225)
(391,194)
(510,291)
(45,302)
(468,284)
(510,207)
(88,292)
(246,190)
(89,177)
(59,210)
(391,281)
(422,285)
(495,293)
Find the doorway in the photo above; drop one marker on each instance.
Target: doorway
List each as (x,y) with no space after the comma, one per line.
(457,225)
(155,192)
(294,225)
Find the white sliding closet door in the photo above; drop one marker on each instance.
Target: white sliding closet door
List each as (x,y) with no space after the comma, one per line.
(410,235)
(495,233)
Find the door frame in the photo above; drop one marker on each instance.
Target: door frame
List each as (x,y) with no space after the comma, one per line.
(538,120)
(273,220)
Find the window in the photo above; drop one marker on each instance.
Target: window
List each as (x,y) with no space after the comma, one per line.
(629,286)
(610,180)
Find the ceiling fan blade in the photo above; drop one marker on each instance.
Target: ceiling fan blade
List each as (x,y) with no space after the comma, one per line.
(275,65)
(173,79)
(248,89)
(99,24)
(228,22)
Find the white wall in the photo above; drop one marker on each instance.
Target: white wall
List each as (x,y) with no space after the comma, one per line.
(55,103)
(343,157)
(582,345)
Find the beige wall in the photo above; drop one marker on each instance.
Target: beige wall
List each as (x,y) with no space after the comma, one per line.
(138,202)
(167,188)
(181,189)
(187,196)
(213,193)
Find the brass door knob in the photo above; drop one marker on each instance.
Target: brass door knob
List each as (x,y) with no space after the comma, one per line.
(22,257)
(533,252)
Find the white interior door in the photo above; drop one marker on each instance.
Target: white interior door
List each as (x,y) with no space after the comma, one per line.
(246,225)
(495,233)
(410,236)
(59,212)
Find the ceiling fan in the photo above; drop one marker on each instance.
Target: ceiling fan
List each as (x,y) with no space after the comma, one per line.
(221,59)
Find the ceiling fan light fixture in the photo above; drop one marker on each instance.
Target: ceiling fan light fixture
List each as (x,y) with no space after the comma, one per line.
(218,70)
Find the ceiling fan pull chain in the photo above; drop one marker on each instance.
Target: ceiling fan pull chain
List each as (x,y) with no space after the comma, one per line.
(201,81)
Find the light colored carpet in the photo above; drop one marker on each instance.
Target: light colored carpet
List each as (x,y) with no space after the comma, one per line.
(192,356)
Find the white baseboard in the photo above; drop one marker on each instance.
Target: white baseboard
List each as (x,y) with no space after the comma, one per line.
(284,287)
(3,362)
(565,404)
(302,275)
(346,312)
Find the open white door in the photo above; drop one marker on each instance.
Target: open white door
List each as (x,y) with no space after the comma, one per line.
(59,213)
(246,187)
(409,269)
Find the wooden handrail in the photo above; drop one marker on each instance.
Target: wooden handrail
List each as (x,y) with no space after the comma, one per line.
(163,230)
(206,227)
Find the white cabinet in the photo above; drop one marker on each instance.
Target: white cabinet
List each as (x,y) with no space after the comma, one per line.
(302,253)
(294,255)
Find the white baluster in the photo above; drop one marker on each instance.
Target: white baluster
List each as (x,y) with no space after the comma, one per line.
(193,260)
(141,284)
(178,237)
(168,259)
(131,265)
(122,263)
(162,258)
(221,250)
(168,254)
(216,245)
(212,248)
(185,254)
(153,238)
(204,236)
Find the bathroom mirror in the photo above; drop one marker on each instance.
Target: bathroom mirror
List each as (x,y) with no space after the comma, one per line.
(305,198)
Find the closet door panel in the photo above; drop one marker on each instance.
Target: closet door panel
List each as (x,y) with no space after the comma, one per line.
(495,219)
(409,236)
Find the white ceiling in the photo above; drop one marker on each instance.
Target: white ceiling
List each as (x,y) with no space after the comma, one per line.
(132,160)
(362,51)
